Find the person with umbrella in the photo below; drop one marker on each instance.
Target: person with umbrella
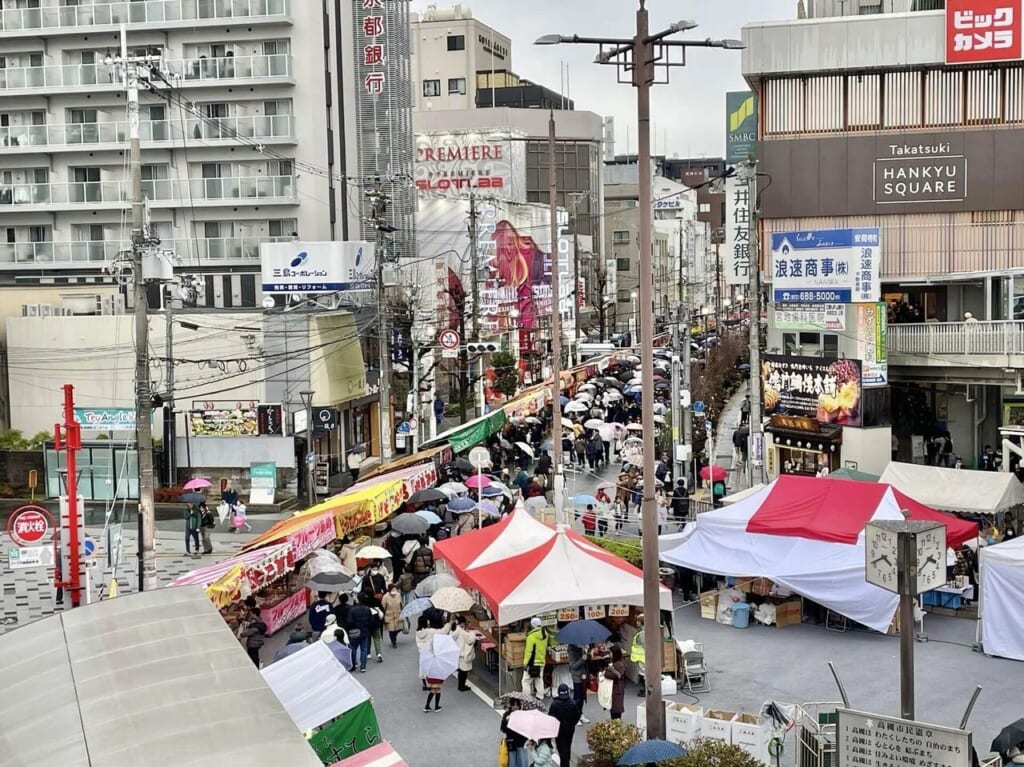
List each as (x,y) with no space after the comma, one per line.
(578,668)
(514,742)
(391,607)
(466,640)
(568,714)
(193,523)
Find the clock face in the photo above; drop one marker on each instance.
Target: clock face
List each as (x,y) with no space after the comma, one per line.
(931,559)
(881,551)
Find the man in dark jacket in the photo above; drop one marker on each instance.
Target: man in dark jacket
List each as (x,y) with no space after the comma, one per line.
(543,464)
(565,710)
(318,612)
(421,564)
(680,500)
(360,629)
(296,641)
(255,634)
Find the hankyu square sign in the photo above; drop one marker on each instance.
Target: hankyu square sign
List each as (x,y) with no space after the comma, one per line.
(983,30)
(838,266)
(912,173)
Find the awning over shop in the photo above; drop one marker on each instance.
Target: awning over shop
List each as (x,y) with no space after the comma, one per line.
(470,433)
(234,579)
(306,532)
(439,456)
(139,680)
(978,492)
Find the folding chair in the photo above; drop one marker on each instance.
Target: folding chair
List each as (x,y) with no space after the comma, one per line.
(695,672)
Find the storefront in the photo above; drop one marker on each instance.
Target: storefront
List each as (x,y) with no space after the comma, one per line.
(801,445)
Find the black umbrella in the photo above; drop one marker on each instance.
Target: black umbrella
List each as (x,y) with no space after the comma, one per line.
(1012,735)
(193,498)
(410,524)
(334,582)
(463,465)
(430,495)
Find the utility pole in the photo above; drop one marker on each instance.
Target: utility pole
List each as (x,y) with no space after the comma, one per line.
(380,206)
(558,483)
(68,574)
(170,420)
(128,69)
(756,444)
(685,311)
(636,60)
(307,401)
(575,293)
(474,266)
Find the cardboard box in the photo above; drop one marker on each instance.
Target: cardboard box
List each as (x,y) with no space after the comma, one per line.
(683,722)
(717,725)
(708,604)
(788,613)
(668,657)
(513,649)
(641,717)
(752,733)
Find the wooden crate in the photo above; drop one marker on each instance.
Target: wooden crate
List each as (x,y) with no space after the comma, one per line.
(668,658)
(513,649)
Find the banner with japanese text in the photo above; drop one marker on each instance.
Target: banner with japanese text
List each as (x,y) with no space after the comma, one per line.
(812,387)
(736,252)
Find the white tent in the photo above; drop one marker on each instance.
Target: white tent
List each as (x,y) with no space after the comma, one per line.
(739,495)
(1002,593)
(980,492)
(313,686)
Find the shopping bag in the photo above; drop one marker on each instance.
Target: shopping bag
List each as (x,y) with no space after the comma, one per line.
(604,692)
(502,753)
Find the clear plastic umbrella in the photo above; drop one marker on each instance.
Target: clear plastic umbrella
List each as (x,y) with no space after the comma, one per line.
(432,583)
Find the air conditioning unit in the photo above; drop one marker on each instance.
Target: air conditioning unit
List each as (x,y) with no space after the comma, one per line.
(45,310)
(30,310)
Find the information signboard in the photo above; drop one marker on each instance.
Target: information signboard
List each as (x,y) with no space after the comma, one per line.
(872,740)
(832,266)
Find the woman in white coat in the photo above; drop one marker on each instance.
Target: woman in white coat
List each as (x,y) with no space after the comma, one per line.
(425,636)
(466,640)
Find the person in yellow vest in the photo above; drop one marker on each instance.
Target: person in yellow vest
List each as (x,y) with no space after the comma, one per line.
(638,654)
(537,639)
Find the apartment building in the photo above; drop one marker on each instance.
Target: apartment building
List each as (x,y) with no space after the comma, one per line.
(855,137)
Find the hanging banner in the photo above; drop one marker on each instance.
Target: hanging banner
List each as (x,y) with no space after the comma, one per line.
(740,126)
(284,612)
(736,252)
(872,329)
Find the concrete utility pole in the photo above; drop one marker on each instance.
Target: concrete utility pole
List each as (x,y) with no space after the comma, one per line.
(380,206)
(474,265)
(307,402)
(637,60)
(170,419)
(558,483)
(129,70)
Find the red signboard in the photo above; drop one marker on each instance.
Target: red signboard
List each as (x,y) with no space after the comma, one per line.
(983,30)
(29,525)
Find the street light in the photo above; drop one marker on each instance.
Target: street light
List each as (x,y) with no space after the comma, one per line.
(638,60)
(307,400)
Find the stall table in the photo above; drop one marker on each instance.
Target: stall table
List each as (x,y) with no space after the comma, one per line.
(948,597)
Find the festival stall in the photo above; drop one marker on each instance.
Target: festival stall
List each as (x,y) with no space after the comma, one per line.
(805,534)
(324,700)
(1001,622)
(971,492)
(381,755)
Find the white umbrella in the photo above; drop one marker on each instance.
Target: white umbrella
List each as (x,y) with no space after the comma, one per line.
(531,419)
(612,396)
(658,408)
(525,448)
(430,516)
(633,440)
(659,419)
(441,658)
(586,386)
(432,583)
(585,395)
(634,427)
(505,489)
(451,489)
(576,407)
(452,599)
(535,504)
(634,359)
(373,552)
(593,423)
(636,381)
(566,423)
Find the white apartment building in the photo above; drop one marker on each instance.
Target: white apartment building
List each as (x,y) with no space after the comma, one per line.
(236,137)
(449,49)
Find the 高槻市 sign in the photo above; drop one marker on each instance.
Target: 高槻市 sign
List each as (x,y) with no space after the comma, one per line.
(893,173)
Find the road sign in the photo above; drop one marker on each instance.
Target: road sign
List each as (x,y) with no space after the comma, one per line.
(449,341)
(480,458)
(698,407)
(310,458)
(29,556)
(29,525)
(88,547)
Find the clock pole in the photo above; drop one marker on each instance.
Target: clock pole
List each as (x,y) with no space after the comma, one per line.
(907,581)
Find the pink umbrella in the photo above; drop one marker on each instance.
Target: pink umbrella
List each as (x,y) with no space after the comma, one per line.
(197,484)
(478,481)
(535,725)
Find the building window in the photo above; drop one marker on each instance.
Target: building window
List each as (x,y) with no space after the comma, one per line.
(620,237)
(456,42)
(457,85)
(705,207)
(431,88)
(623,264)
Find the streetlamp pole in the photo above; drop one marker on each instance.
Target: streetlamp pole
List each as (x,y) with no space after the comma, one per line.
(307,400)
(637,60)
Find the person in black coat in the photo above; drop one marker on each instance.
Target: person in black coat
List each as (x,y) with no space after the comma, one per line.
(564,709)
(360,629)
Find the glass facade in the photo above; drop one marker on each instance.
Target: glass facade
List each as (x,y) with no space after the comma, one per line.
(106,470)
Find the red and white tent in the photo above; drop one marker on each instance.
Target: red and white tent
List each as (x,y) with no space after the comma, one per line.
(381,755)
(523,567)
(806,534)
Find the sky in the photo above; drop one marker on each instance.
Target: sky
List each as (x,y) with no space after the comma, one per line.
(688,113)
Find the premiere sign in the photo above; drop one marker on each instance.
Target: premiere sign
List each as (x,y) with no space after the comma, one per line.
(456,163)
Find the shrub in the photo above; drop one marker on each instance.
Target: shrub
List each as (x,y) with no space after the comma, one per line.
(168,494)
(713,753)
(610,739)
(630,549)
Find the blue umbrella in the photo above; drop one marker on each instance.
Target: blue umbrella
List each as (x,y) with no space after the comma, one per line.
(563,400)
(583,500)
(490,492)
(583,633)
(488,508)
(459,505)
(415,607)
(651,751)
(431,517)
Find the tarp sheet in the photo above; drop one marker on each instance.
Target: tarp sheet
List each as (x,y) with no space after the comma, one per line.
(964,490)
(470,433)
(1002,594)
(355,731)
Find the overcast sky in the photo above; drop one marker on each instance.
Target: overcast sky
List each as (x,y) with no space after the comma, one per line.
(688,113)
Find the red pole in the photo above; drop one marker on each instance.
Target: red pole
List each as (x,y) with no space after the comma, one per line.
(72,443)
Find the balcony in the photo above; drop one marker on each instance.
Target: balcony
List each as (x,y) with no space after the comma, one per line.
(162,193)
(199,71)
(78,255)
(957,344)
(160,14)
(27,139)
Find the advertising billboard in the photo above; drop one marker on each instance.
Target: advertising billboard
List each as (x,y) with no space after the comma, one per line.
(317,267)
(740,126)
(872,330)
(983,30)
(736,253)
(208,419)
(812,387)
(879,174)
(456,163)
(809,316)
(838,266)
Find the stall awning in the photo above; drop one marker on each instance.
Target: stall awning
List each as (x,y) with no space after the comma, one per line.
(438,456)
(136,681)
(381,755)
(234,579)
(965,490)
(471,433)
(306,532)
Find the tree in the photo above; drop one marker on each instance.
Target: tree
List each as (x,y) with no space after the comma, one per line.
(506,374)
(705,752)
(599,300)
(14,439)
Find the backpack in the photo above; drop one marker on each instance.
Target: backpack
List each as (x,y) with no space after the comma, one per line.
(207,519)
(422,561)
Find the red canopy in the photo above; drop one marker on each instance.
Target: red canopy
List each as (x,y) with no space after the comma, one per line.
(836,510)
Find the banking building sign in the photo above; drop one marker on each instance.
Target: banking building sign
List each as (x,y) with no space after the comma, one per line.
(883,173)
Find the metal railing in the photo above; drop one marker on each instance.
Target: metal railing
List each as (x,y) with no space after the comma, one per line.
(194,251)
(88,134)
(192,70)
(961,338)
(159,190)
(147,12)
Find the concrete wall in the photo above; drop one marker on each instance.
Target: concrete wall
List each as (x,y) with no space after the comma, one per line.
(869,448)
